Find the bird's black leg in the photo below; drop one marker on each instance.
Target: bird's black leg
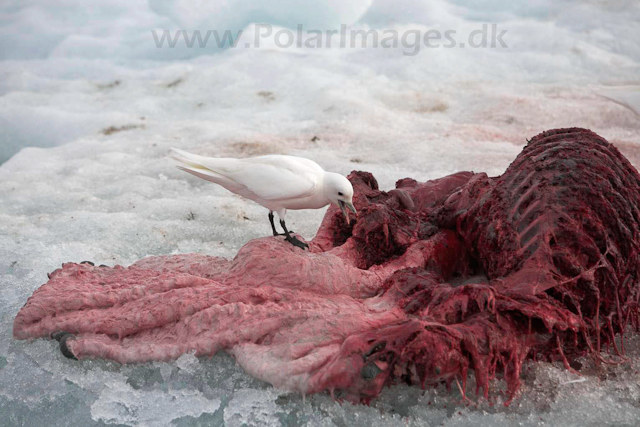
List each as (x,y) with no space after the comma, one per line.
(273,226)
(294,241)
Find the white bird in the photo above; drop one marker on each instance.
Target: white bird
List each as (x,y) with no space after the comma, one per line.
(277,182)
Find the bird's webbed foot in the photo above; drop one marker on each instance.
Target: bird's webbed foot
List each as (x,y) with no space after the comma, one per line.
(291,239)
(295,242)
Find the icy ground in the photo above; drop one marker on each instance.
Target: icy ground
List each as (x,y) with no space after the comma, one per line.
(87,81)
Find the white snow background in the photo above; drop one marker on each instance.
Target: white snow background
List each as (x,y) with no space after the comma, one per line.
(89,107)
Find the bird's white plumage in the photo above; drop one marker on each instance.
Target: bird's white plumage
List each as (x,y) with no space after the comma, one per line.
(273,177)
(278,182)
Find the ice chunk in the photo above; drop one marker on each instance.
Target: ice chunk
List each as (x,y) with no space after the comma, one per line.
(188,363)
(120,404)
(252,407)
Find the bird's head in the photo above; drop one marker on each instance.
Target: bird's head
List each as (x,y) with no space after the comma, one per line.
(339,191)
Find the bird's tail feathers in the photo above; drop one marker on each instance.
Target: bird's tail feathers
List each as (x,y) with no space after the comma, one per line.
(195,165)
(191,160)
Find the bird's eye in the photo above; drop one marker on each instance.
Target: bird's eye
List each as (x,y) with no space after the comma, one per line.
(340,194)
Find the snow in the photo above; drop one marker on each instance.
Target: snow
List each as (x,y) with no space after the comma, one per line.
(89,107)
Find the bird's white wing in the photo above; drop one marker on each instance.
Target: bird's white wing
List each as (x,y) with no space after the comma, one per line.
(276,177)
(272,178)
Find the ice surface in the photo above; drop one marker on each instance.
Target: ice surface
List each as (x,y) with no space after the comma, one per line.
(86,80)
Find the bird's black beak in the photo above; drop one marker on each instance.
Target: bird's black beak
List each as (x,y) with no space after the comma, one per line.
(343,208)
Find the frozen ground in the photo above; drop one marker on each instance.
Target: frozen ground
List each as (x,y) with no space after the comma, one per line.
(88,83)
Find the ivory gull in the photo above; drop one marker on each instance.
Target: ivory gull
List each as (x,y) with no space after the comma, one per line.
(277,182)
